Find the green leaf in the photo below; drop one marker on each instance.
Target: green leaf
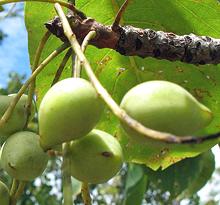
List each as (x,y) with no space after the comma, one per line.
(118,73)
(135,185)
(185,177)
(207,167)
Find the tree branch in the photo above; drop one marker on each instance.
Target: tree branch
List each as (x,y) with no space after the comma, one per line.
(131,41)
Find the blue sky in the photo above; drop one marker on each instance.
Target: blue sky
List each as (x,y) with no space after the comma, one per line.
(14,51)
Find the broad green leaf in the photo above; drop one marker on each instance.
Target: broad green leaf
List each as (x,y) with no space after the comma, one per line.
(207,167)
(119,73)
(187,176)
(135,185)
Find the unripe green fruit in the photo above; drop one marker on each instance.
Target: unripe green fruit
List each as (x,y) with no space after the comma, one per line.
(165,106)
(69,110)
(95,158)
(18,118)
(22,157)
(4,194)
(24,99)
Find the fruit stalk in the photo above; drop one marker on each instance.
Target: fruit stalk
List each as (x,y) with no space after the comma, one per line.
(85,194)
(67,184)
(85,43)
(14,187)
(61,2)
(18,193)
(62,66)
(13,103)
(121,114)
(35,65)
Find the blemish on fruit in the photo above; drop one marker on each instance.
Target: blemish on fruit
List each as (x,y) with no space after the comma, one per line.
(11,166)
(107,154)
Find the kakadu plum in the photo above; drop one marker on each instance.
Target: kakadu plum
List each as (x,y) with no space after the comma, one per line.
(18,118)
(95,158)
(165,106)
(4,194)
(22,157)
(69,110)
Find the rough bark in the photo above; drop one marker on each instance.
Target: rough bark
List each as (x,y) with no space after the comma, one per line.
(131,41)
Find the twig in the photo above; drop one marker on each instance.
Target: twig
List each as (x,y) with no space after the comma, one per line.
(10,12)
(117,111)
(85,194)
(61,2)
(35,64)
(118,17)
(13,103)
(67,183)
(89,36)
(62,66)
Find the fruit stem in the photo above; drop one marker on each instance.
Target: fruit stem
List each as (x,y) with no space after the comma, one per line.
(114,107)
(61,2)
(13,187)
(89,36)
(85,194)
(18,193)
(35,65)
(67,183)
(62,66)
(13,103)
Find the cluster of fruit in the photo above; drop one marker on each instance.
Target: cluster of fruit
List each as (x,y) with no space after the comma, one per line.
(69,112)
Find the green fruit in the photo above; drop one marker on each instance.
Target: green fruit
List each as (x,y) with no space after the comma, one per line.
(24,99)
(22,157)
(4,194)
(95,158)
(165,106)
(18,118)
(69,110)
